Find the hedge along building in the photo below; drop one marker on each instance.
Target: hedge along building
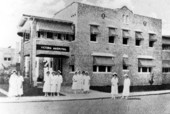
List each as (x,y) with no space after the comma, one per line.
(102,41)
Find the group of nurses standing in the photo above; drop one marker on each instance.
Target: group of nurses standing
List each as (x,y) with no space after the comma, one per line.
(52,83)
(81,82)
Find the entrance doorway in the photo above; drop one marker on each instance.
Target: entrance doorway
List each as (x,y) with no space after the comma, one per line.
(57,64)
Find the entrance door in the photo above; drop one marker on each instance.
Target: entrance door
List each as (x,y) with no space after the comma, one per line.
(57,64)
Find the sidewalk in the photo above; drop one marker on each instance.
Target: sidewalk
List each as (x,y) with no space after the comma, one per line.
(68,97)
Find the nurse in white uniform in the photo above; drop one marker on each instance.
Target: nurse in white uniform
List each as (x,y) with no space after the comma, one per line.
(114,85)
(53,83)
(47,83)
(86,84)
(13,85)
(59,82)
(126,87)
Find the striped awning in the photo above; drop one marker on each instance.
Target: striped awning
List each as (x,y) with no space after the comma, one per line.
(166,63)
(139,36)
(126,34)
(126,62)
(152,37)
(112,32)
(25,29)
(94,29)
(107,61)
(145,63)
(55,27)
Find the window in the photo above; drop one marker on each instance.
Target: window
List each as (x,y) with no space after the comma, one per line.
(166,69)
(112,35)
(125,41)
(165,47)
(111,39)
(9,59)
(27,37)
(125,67)
(40,34)
(93,33)
(50,35)
(139,38)
(126,36)
(101,68)
(5,59)
(93,37)
(138,42)
(72,68)
(145,69)
(152,39)
(151,43)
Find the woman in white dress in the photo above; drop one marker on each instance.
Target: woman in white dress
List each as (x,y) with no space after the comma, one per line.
(59,82)
(53,83)
(13,85)
(47,83)
(86,82)
(79,81)
(114,85)
(126,87)
(75,82)
(20,81)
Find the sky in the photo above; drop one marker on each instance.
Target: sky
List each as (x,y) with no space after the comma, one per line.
(11,12)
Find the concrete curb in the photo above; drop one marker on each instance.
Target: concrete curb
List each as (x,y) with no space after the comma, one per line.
(91,96)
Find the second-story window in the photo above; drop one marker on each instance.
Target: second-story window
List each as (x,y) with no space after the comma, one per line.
(112,35)
(126,36)
(152,39)
(93,33)
(139,38)
(50,35)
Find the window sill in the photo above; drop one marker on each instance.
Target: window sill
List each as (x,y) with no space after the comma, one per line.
(126,70)
(143,72)
(93,42)
(102,72)
(112,43)
(166,73)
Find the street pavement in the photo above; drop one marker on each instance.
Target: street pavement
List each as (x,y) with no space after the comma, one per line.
(148,104)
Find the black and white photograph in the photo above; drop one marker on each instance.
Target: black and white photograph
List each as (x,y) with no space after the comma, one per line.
(85,57)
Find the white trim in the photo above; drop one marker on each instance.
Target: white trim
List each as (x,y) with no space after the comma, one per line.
(94,23)
(145,57)
(102,54)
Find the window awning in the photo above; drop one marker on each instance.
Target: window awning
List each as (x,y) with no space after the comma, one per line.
(107,61)
(126,34)
(139,36)
(94,29)
(152,37)
(126,62)
(101,54)
(166,63)
(112,32)
(145,63)
(26,28)
(55,27)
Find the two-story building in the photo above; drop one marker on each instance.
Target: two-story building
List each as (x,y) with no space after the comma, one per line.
(95,39)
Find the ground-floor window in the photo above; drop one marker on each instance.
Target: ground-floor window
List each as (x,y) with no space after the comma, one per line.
(72,68)
(144,69)
(101,68)
(166,70)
